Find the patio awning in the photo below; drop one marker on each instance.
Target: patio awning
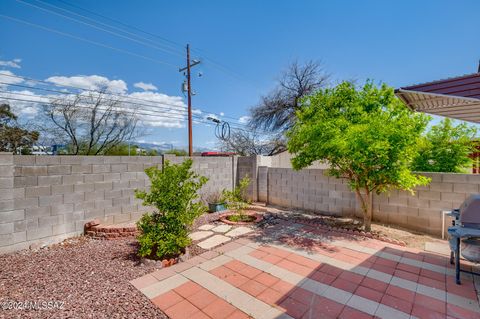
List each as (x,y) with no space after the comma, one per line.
(457,98)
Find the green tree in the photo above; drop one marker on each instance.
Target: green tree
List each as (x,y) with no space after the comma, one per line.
(366,135)
(446,148)
(122,149)
(177,152)
(174,194)
(14,138)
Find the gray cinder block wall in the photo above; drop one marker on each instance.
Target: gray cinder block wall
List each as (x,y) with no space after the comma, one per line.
(220,171)
(45,199)
(52,197)
(313,190)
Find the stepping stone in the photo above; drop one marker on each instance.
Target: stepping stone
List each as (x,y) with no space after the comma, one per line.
(222,228)
(200,235)
(206,227)
(239,231)
(438,247)
(213,241)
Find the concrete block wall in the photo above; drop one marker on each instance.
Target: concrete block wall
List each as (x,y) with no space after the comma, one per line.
(262,184)
(45,199)
(11,226)
(248,166)
(422,211)
(313,190)
(53,196)
(220,171)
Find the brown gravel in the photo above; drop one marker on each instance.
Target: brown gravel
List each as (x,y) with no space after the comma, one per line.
(91,277)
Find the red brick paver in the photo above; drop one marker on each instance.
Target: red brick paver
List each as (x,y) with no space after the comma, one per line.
(270,276)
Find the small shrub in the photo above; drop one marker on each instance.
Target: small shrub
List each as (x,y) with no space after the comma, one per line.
(174,193)
(236,199)
(215,198)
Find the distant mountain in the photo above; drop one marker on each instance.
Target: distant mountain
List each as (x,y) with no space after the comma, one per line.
(163,147)
(155,146)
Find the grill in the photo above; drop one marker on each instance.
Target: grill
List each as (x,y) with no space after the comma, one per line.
(465,234)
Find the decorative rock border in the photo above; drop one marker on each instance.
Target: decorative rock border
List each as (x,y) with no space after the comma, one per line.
(95,230)
(258,218)
(161,263)
(338,229)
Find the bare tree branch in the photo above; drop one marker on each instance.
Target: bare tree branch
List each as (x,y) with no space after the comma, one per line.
(90,124)
(246,143)
(276,110)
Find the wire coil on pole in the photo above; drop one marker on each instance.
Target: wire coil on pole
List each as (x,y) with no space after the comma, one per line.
(222,131)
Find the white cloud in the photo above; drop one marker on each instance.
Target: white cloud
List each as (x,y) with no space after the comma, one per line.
(165,110)
(15,63)
(154,109)
(23,107)
(222,114)
(145,86)
(8,78)
(90,82)
(244,119)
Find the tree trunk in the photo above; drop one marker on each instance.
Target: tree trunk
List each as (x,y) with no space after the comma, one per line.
(368,213)
(366,202)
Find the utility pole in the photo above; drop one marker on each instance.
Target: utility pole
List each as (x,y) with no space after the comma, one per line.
(189,97)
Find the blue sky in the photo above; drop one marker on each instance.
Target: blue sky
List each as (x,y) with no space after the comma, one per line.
(399,43)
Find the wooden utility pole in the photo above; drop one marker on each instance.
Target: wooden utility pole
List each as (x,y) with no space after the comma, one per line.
(189,97)
(190,146)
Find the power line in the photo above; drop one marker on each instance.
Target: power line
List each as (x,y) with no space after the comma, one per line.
(86,90)
(156,117)
(105,30)
(129,111)
(174,45)
(86,40)
(179,109)
(94,26)
(112,94)
(178,117)
(173,49)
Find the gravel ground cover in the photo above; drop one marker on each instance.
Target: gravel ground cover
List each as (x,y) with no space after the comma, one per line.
(90,277)
(87,278)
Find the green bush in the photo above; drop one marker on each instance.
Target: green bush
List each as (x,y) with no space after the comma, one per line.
(446,148)
(173,192)
(237,199)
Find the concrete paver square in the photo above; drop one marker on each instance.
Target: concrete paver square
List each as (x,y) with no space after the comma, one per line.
(206,227)
(213,241)
(242,230)
(200,235)
(222,228)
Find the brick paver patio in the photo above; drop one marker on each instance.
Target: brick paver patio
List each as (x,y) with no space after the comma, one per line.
(298,271)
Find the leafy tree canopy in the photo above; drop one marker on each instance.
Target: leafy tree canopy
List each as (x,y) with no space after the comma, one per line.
(366,135)
(177,152)
(446,148)
(13,137)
